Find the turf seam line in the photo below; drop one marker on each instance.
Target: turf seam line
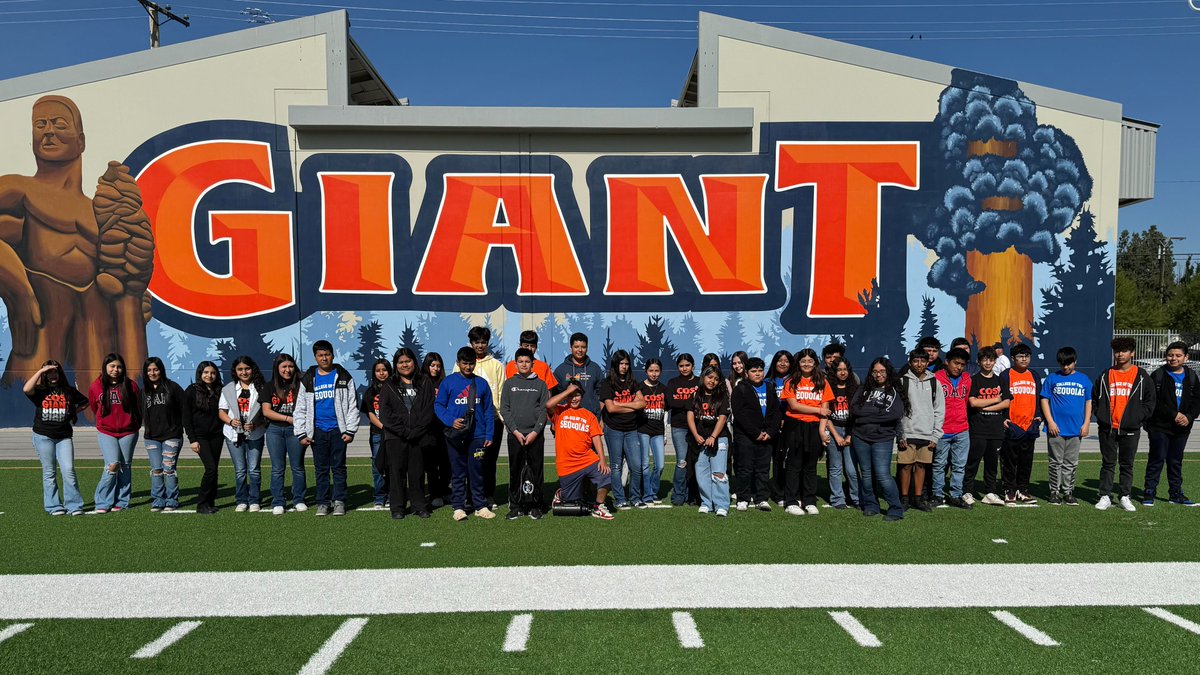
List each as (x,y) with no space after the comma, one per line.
(14,630)
(517,635)
(1171,617)
(1032,634)
(861,634)
(174,634)
(328,654)
(686,631)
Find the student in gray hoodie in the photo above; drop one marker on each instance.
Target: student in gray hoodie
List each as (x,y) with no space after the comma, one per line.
(579,368)
(523,408)
(920,429)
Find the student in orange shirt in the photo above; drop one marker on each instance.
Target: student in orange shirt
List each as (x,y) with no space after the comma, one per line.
(578,451)
(1022,428)
(529,340)
(1123,400)
(808,396)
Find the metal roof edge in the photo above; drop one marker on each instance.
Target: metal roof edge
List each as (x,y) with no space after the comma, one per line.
(487,119)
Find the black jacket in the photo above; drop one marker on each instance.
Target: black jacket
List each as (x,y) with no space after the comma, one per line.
(164,412)
(399,422)
(1135,415)
(1165,408)
(748,418)
(200,421)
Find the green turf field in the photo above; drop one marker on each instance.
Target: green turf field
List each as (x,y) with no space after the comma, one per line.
(170,548)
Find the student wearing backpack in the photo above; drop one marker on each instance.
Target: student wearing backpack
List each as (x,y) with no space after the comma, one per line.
(1123,399)
(756,417)
(464,406)
(1022,428)
(523,409)
(920,429)
(1178,404)
(1067,408)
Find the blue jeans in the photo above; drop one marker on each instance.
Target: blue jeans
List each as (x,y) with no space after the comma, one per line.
(652,449)
(247,478)
(875,464)
(841,462)
(466,460)
(624,446)
(285,449)
(955,450)
(329,458)
(58,455)
(116,485)
(380,481)
(164,483)
(679,490)
(714,490)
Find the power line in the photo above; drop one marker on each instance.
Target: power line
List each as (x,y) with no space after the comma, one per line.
(57,11)
(72,20)
(906,5)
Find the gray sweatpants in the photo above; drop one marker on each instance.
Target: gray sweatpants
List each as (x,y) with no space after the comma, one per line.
(1064,459)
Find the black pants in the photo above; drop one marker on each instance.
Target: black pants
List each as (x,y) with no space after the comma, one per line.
(210,456)
(753,460)
(437,464)
(491,455)
(519,455)
(693,456)
(1017,464)
(987,450)
(778,468)
(1165,449)
(1116,448)
(802,441)
(406,469)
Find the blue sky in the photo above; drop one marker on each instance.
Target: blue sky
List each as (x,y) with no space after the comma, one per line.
(1141,53)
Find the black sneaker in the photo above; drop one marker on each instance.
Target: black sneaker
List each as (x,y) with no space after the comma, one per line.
(398,515)
(904,502)
(1055,499)
(923,505)
(513,514)
(958,503)
(423,514)
(937,501)
(892,517)
(535,514)
(1069,499)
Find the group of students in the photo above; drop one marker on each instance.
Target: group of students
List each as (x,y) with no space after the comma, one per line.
(742,440)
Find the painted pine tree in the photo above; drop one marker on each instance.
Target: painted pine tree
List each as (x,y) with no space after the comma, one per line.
(1082,289)
(370,345)
(408,338)
(655,342)
(688,336)
(730,337)
(929,321)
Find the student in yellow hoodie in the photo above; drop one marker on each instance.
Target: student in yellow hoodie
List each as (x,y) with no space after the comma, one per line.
(491,370)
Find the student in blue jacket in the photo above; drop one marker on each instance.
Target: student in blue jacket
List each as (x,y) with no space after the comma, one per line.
(469,427)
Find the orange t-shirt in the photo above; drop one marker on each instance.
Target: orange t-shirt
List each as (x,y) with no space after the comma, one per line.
(1023,388)
(539,368)
(806,394)
(1120,387)
(573,433)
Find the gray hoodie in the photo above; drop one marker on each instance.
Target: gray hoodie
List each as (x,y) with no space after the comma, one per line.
(928,409)
(523,403)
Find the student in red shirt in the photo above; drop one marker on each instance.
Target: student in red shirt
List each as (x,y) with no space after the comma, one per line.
(1123,399)
(808,396)
(114,400)
(578,451)
(1022,428)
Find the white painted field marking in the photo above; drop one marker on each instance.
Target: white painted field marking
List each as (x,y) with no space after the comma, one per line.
(513,590)
(685,629)
(328,654)
(1190,626)
(999,541)
(429,544)
(1034,635)
(15,629)
(174,634)
(518,633)
(863,636)
(180,511)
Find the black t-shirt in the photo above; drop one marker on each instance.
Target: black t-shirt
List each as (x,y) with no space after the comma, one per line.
(679,391)
(650,421)
(990,424)
(55,411)
(623,393)
(707,408)
(284,405)
(839,409)
(369,404)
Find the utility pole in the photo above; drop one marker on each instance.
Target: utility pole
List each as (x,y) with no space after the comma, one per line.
(158,16)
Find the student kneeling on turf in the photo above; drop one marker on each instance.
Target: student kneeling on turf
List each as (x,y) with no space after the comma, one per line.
(578,452)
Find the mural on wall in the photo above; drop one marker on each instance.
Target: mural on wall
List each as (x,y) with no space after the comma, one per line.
(976,223)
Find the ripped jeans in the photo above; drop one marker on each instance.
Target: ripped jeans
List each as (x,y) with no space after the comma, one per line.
(164,483)
(714,491)
(116,476)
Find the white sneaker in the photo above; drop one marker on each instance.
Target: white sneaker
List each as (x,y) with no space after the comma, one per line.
(811,510)
(255,508)
(378,507)
(723,513)
(992,499)
(1127,504)
(794,510)
(742,506)
(969,498)
(241,508)
(1104,503)
(301,506)
(277,511)
(703,509)
(764,506)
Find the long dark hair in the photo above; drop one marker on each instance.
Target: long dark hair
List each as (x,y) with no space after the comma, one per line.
(163,380)
(733,376)
(719,394)
(123,384)
(256,376)
(395,370)
(781,354)
(281,386)
(43,382)
(614,374)
(817,377)
(206,395)
(891,381)
(429,359)
(375,385)
(831,375)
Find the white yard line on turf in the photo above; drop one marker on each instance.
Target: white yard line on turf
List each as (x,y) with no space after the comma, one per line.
(518,633)
(25,597)
(1190,626)
(861,634)
(428,544)
(174,634)
(685,629)
(323,660)
(999,541)
(1034,635)
(15,629)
